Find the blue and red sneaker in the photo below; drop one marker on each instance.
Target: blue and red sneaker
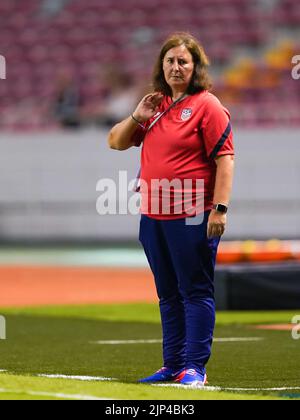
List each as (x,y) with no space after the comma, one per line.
(193,378)
(164,375)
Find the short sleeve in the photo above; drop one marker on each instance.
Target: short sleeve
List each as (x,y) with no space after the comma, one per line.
(138,136)
(216,129)
(140,133)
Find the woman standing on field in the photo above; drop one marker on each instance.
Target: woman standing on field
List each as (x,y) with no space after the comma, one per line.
(186,135)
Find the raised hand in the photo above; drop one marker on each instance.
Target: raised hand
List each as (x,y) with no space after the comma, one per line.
(148,106)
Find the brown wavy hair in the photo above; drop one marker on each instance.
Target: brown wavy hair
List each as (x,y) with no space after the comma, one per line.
(200,80)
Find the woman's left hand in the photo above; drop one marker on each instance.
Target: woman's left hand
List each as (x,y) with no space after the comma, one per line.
(216,224)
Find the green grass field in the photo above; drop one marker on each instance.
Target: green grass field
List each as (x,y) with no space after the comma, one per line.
(63,341)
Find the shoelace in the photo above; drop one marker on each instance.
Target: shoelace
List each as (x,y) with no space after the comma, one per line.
(164,369)
(191,372)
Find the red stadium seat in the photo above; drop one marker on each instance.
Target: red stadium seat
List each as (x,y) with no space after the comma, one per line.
(86,36)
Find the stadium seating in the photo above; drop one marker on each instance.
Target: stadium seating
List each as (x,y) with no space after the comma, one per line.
(85,36)
(288,13)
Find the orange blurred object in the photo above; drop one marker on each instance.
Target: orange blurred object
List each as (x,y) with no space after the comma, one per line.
(258,251)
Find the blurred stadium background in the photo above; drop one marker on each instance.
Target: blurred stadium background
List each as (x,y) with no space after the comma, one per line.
(74,67)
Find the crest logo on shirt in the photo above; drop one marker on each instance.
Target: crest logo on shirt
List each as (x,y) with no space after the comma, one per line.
(186,114)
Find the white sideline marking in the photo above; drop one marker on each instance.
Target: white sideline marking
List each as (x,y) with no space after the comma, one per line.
(238,339)
(296,388)
(200,388)
(219,388)
(53,395)
(77,378)
(114,342)
(159,341)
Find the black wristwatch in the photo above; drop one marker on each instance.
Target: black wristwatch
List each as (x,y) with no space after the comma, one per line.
(221,208)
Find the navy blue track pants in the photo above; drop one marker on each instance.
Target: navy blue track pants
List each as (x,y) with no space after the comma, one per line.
(182,260)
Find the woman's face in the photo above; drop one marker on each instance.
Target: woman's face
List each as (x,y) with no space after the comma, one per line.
(178,67)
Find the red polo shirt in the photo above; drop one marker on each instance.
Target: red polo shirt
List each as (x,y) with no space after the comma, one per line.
(178,168)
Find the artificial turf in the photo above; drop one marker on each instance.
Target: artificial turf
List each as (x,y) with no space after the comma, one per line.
(62,340)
